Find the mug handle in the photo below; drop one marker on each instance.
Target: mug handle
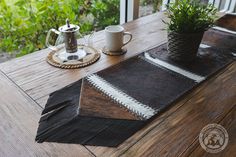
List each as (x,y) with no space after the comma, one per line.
(54,48)
(129,34)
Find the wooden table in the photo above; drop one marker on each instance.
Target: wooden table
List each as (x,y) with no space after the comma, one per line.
(26,82)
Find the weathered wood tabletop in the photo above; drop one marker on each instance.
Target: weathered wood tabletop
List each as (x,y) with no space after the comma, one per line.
(26,82)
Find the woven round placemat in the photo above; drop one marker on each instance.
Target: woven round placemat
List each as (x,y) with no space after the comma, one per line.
(114,53)
(92,56)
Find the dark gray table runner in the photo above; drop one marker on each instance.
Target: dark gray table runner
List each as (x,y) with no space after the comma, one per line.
(108,107)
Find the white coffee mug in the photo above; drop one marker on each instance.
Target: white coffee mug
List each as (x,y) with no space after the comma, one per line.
(114,38)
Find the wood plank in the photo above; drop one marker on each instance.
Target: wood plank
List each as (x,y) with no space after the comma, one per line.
(28,74)
(42,101)
(19,121)
(229,123)
(24,62)
(156,123)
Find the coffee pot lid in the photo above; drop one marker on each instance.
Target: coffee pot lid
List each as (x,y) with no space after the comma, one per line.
(68,27)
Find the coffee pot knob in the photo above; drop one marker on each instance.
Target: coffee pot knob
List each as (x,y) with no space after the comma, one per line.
(68,23)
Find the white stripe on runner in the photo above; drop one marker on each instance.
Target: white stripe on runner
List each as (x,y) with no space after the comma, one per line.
(176,69)
(120,97)
(204,46)
(224,30)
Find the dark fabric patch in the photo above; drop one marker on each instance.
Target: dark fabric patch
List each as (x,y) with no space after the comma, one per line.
(147,83)
(208,61)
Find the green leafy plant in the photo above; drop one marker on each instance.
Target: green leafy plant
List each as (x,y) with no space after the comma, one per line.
(24,23)
(190,16)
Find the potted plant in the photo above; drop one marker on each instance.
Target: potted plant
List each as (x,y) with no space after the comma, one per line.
(188,19)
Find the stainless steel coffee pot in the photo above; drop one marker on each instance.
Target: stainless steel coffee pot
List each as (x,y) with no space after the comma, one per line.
(67,34)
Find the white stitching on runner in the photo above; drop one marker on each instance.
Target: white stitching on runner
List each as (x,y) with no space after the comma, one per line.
(133,105)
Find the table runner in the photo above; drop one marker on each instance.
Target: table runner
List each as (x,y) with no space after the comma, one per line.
(107,107)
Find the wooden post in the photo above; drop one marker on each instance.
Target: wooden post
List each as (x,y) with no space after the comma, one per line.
(129,10)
